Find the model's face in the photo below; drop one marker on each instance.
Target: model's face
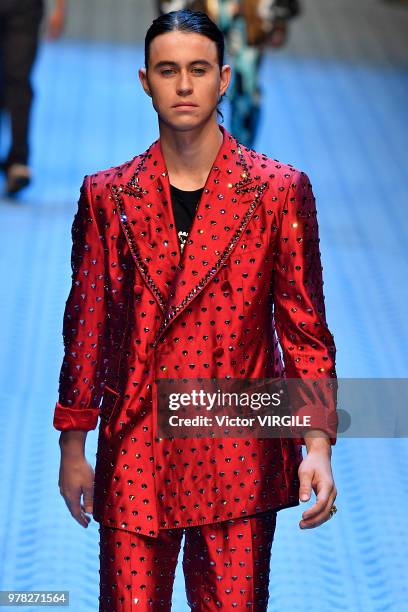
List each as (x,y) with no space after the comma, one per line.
(183,68)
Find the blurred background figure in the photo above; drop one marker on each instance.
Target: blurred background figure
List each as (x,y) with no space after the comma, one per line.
(20,22)
(248,26)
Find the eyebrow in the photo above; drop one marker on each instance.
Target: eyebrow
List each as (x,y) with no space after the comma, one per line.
(169,63)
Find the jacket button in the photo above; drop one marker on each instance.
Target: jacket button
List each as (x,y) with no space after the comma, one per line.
(142,356)
(218,351)
(138,289)
(225,286)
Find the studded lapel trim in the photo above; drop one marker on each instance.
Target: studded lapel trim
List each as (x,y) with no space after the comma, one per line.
(144,206)
(138,253)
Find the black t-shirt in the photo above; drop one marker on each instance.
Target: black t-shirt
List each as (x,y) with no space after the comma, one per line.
(184,207)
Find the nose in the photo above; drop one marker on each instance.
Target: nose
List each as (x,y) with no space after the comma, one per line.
(184,84)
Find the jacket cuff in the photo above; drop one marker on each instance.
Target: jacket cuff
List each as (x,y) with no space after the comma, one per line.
(71,418)
(321,418)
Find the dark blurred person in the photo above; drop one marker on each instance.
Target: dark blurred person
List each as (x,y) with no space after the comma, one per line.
(248,26)
(20,22)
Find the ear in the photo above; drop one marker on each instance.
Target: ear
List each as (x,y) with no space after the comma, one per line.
(144,81)
(226,74)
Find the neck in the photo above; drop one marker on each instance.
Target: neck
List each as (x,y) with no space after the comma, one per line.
(189,155)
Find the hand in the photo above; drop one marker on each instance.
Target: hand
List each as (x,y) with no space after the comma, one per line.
(76,478)
(315,472)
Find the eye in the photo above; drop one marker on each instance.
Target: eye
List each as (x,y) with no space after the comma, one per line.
(166,70)
(200,70)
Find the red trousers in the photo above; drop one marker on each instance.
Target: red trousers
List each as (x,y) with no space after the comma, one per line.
(226,565)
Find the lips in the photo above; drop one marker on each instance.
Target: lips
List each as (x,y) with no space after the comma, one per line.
(185,104)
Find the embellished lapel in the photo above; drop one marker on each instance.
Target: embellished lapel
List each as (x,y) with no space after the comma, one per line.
(143,199)
(146,217)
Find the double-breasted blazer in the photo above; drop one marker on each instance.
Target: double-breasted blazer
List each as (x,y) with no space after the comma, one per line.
(245,292)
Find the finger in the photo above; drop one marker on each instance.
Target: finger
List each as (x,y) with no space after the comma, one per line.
(85,514)
(81,518)
(76,510)
(88,499)
(305,488)
(322,497)
(84,519)
(320,518)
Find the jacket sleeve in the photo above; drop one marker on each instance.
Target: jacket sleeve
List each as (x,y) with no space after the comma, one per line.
(81,372)
(308,347)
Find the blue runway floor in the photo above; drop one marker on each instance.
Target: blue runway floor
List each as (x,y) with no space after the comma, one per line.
(342,123)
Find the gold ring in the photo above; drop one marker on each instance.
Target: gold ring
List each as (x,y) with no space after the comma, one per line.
(332,510)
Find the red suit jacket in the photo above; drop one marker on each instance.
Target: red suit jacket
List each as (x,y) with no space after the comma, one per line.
(250,274)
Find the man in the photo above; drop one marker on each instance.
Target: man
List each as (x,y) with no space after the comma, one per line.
(249,26)
(19,35)
(141,308)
